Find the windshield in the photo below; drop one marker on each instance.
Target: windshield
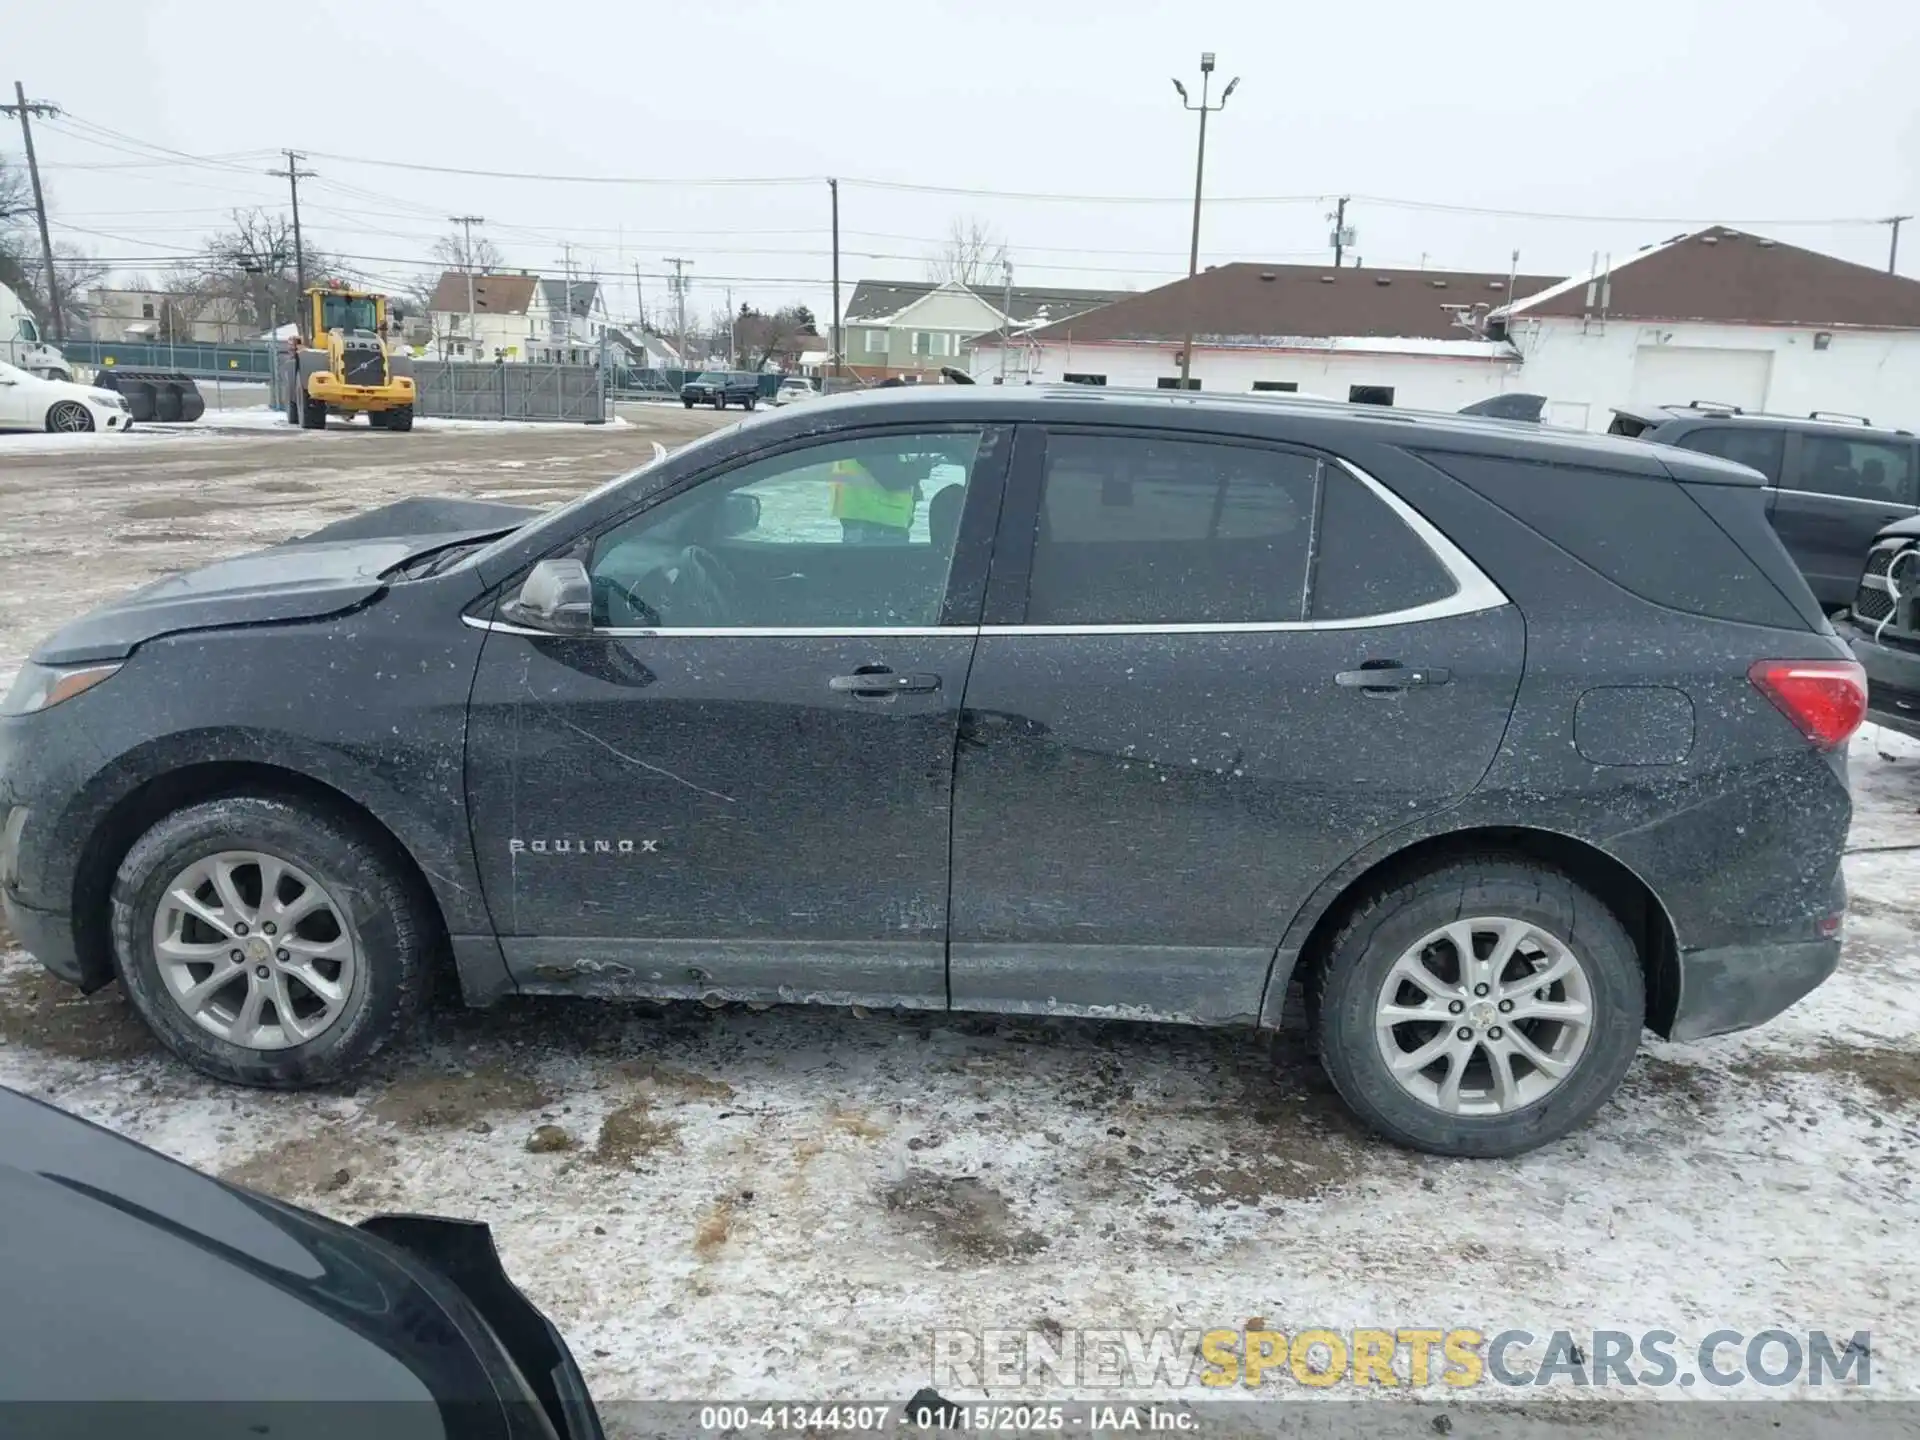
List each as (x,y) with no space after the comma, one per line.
(711,377)
(557,517)
(340,312)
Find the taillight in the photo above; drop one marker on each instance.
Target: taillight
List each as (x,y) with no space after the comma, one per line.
(1825,699)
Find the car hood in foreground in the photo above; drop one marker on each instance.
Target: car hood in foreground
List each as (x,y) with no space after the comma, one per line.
(331,570)
(131,1278)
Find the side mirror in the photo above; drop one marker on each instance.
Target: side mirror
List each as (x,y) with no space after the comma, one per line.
(556,596)
(739,515)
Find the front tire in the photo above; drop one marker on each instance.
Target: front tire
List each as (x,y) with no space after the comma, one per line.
(400,418)
(333,940)
(69,417)
(1482,1008)
(313,413)
(719,402)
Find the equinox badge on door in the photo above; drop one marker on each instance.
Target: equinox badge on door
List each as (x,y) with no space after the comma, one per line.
(583,847)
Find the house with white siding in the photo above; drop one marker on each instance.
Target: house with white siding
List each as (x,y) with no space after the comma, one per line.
(909,331)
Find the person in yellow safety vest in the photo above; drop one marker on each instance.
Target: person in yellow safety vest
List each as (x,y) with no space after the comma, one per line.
(870,510)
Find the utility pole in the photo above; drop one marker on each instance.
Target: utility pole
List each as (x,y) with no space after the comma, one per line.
(1892,222)
(1006,320)
(1199,180)
(293,175)
(46,111)
(678,280)
(566,259)
(1342,237)
(466,223)
(733,333)
(839,368)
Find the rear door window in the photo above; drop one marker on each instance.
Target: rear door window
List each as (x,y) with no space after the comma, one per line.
(1139,530)
(1745,444)
(1878,470)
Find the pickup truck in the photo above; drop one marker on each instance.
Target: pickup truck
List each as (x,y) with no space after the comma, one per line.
(721,388)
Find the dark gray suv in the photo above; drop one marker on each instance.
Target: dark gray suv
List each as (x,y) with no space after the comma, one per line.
(1050,701)
(1833,481)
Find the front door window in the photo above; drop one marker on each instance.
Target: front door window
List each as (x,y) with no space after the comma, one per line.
(857,534)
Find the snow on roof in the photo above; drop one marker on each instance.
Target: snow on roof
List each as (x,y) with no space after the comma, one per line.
(1580,282)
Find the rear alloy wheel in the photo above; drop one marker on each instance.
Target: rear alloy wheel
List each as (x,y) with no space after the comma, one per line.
(69,417)
(267,942)
(1481,1009)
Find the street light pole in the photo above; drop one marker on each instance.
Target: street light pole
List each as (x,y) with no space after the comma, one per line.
(1199,182)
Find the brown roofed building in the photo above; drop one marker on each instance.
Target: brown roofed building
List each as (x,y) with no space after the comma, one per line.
(1717,314)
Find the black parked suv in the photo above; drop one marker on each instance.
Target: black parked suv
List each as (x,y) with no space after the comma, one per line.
(721,388)
(1832,480)
(1042,700)
(1884,627)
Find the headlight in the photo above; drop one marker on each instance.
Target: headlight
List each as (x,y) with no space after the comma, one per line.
(40,687)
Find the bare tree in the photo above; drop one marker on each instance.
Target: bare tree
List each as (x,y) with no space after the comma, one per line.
(251,264)
(16,194)
(973,253)
(454,251)
(25,270)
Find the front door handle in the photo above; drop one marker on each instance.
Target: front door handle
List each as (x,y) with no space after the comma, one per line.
(879,681)
(1380,676)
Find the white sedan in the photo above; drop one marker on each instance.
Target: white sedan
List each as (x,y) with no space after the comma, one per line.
(794,388)
(29,403)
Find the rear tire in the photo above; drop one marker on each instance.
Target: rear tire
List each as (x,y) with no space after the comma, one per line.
(373,913)
(1397,932)
(400,419)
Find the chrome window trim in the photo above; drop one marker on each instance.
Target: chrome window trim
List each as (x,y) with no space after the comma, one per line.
(1847,499)
(1474,593)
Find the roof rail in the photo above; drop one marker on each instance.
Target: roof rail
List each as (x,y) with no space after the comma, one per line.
(1717,405)
(1837,415)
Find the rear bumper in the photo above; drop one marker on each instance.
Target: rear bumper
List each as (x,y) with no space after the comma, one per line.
(1740,986)
(1893,678)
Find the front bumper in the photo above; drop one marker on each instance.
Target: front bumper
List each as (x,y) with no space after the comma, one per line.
(1893,677)
(392,396)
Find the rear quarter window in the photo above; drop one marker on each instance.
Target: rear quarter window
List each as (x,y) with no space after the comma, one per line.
(1642,532)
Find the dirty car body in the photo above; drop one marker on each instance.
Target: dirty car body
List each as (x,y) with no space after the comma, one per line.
(1045,701)
(133,1281)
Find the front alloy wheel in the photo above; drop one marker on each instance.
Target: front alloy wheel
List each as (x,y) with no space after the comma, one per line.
(272,940)
(255,950)
(69,417)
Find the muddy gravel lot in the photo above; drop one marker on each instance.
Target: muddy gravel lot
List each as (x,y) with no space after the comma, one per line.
(736,1203)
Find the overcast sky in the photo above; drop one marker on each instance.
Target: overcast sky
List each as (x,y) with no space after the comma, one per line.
(1757,113)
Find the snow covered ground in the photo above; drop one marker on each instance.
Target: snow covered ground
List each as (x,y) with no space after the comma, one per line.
(790,1203)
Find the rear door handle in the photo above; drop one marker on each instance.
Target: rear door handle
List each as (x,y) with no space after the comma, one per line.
(1383,675)
(881,681)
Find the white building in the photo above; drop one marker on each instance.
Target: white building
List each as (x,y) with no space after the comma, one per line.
(1713,315)
(1727,316)
(1395,337)
(519,317)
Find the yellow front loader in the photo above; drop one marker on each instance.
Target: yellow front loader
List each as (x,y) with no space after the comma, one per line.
(341,362)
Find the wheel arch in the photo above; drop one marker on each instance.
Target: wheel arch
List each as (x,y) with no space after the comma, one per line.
(135,811)
(1632,901)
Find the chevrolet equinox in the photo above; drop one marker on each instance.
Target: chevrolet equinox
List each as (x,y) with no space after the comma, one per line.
(1488,746)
